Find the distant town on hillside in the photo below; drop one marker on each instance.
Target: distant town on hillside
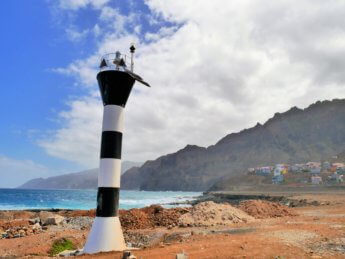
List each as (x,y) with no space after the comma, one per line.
(316,173)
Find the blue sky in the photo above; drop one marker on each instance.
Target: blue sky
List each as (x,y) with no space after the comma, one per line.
(32,44)
(208,66)
(38,37)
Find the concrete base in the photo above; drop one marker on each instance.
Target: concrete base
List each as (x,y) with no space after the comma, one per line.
(105,235)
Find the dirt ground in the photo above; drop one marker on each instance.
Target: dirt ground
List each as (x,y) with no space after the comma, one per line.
(309,232)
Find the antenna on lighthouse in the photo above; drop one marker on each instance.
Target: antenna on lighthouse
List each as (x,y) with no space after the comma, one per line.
(132,50)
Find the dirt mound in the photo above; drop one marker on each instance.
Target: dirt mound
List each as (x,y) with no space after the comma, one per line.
(260,209)
(210,214)
(78,213)
(149,217)
(16,214)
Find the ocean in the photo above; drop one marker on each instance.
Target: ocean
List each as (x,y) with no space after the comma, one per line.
(19,199)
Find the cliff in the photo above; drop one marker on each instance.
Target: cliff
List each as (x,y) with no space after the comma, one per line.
(295,136)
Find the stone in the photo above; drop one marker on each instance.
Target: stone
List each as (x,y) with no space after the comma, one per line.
(48,218)
(36,226)
(128,255)
(4,235)
(34,221)
(181,256)
(68,253)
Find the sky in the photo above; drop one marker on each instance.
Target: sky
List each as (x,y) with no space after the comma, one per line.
(215,67)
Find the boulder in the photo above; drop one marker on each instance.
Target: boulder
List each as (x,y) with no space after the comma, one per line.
(34,221)
(49,218)
(36,226)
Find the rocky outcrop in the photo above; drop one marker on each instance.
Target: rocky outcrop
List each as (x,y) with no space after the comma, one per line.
(295,136)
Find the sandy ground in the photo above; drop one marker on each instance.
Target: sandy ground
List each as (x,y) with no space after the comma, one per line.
(315,232)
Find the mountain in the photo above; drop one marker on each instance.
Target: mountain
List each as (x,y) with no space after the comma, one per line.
(295,136)
(81,180)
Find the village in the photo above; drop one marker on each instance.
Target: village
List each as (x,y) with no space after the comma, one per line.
(314,173)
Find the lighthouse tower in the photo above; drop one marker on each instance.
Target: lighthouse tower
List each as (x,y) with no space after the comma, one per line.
(115,83)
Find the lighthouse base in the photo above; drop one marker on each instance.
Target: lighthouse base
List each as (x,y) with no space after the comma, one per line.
(105,235)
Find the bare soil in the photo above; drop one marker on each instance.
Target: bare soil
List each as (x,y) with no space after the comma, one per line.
(304,232)
(260,209)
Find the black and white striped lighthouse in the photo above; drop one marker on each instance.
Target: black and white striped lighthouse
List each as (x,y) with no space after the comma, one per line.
(115,83)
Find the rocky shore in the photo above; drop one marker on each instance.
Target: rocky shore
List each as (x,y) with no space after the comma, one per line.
(33,233)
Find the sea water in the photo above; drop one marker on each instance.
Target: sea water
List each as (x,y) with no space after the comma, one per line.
(18,199)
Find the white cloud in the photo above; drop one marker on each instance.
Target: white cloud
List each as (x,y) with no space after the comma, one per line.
(97,31)
(163,32)
(74,35)
(77,4)
(15,172)
(83,69)
(113,19)
(228,65)
(78,140)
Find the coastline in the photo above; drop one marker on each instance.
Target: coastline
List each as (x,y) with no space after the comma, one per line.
(14,199)
(158,231)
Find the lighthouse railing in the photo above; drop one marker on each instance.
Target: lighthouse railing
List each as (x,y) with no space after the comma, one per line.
(115,61)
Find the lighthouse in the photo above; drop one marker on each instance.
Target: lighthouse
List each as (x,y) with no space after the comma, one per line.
(115,82)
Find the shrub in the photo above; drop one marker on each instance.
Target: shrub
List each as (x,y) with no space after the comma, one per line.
(61,245)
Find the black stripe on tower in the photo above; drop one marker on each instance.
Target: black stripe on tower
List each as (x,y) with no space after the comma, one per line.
(111,144)
(115,87)
(107,202)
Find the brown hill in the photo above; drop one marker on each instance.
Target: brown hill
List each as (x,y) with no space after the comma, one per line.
(295,136)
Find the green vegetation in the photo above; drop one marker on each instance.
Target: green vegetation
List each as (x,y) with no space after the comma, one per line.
(61,245)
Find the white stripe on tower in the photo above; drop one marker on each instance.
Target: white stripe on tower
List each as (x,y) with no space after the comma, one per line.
(109,175)
(113,118)
(110,168)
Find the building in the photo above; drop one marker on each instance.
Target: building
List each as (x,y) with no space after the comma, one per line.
(294,169)
(277,179)
(316,180)
(298,168)
(313,164)
(280,169)
(251,170)
(335,177)
(264,170)
(326,166)
(315,170)
(339,167)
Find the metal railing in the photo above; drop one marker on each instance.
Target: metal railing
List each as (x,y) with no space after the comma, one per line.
(115,61)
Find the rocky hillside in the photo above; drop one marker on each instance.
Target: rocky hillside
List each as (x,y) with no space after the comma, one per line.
(81,180)
(295,136)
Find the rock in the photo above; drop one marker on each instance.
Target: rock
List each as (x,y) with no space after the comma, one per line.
(34,221)
(181,256)
(79,222)
(48,218)
(128,255)
(21,232)
(68,253)
(4,235)
(36,226)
